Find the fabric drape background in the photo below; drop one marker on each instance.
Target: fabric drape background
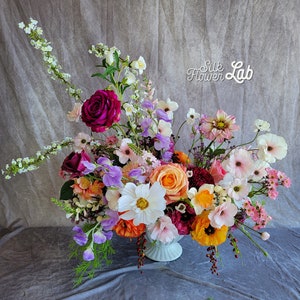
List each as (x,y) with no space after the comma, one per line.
(172,36)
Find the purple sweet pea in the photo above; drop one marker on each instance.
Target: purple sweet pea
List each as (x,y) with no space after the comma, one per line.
(148,104)
(161,142)
(113,176)
(80,237)
(145,124)
(111,219)
(99,237)
(137,174)
(103,161)
(89,167)
(162,115)
(88,254)
(108,234)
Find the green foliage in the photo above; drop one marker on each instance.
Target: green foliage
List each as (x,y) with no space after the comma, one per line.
(64,205)
(66,191)
(87,269)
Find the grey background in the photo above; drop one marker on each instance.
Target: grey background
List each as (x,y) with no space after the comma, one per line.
(172,36)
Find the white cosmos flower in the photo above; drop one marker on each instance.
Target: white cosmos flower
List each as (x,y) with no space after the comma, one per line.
(239,163)
(261,125)
(192,116)
(259,170)
(142,204)
(223,215)
(139,65)
(168,106)
(165,128)
(271,147)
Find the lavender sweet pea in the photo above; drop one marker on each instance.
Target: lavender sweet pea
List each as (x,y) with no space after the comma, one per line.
(101,111)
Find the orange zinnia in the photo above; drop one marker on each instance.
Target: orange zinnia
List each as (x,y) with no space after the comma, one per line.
(205,234)
(126,228)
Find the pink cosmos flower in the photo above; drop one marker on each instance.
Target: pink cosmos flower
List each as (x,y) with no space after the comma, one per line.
(81,142)
(219,128)
(223,215)
(239,163)
(271,147)
(125,152)
(163,230)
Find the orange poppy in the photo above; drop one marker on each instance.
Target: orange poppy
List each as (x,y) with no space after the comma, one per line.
(205,234)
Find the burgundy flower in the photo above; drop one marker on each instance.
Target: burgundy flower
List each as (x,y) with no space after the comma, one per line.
(182,216)
(199,177)
(73,163)
(101,111)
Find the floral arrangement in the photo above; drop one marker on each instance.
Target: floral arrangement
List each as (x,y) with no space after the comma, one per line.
(125,174)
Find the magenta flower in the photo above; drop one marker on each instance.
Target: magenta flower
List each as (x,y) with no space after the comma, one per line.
(74,163)
(101,111)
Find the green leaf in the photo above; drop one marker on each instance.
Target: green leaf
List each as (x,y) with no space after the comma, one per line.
(66,192)
(117,60)
(219,152)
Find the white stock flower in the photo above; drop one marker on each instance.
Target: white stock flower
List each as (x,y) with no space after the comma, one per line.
(130,78)
(129,109)
(261,125)
(109,56)
(139,65)
(271,147)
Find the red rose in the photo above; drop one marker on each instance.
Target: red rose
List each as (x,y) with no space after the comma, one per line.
(101,111)
(73,163)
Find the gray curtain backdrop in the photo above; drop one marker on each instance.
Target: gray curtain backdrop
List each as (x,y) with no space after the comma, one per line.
(172,36)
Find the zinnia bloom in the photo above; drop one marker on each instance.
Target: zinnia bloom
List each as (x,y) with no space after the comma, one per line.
(219,128)
(205,234)
(141,203)
(271,147)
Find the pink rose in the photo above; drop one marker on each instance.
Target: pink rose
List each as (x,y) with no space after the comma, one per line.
(101,111)
(73,163)
(216,170)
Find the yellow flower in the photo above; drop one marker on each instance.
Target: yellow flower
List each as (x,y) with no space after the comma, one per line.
(205,234)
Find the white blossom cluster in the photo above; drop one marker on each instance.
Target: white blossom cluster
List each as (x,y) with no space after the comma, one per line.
(37,40)
(26,164)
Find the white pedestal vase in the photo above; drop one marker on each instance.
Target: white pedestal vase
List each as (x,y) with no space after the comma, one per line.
(159,251)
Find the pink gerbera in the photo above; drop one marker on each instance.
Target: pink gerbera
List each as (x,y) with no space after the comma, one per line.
(219,128)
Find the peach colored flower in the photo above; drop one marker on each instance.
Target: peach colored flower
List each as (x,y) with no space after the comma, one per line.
(173,178)
(87,189)
(75,113)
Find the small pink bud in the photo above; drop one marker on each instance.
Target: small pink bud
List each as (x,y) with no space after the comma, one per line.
(265,236)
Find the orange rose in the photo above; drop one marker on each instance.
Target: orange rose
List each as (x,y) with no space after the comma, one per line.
(126,228)
(205,234)
(173,178)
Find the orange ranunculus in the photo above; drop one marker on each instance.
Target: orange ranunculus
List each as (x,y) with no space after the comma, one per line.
(173,178)
(126,228)
(205,234)
(182,157)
